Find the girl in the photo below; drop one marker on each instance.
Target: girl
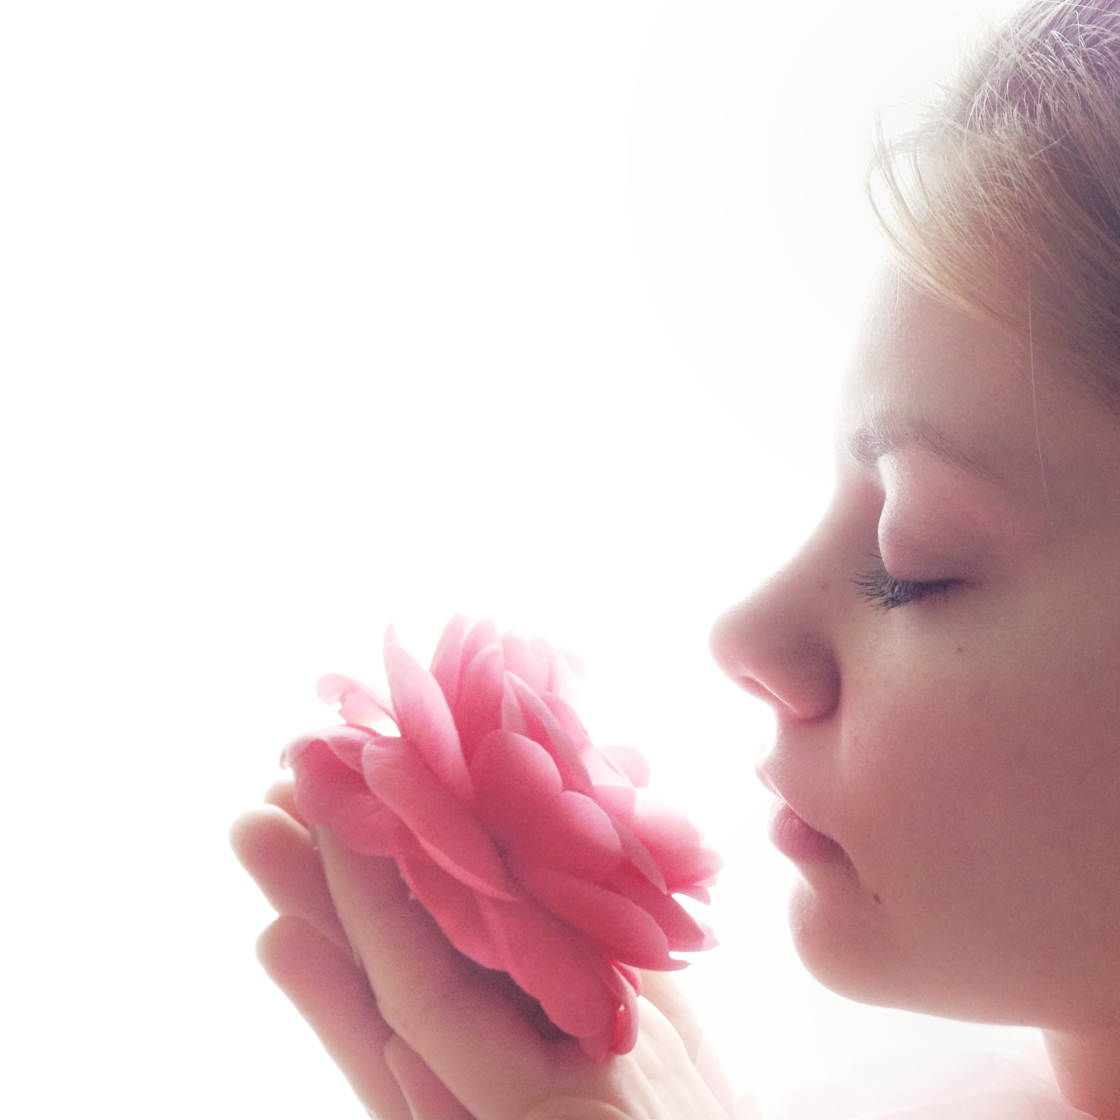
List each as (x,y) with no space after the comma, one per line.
(941,657)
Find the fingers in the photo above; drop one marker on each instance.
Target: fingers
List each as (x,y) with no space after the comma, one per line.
(280,855)
(665,994)
(282,794)
(472,1039)
(662,991)
(427,1096)
(330,991)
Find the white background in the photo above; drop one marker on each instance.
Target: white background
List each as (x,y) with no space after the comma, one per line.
(321,316)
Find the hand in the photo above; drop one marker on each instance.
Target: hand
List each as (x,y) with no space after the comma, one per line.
(420,1032)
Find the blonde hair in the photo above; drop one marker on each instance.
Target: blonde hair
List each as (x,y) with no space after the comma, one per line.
(1006,197)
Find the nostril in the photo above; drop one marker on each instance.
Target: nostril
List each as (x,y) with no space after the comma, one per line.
(757,689)
(788,701)
(777,646)
(795,674)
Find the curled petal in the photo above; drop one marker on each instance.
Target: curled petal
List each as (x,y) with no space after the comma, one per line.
(565,678)
(446,830)
(512,714)
(631,975)
(631,762)
(535,853)
(675,843)
(447,661)
(540,724)
(345,741)
(571,834)
(453,906)
(701,894)
(425,719)
(616,797)
(684,933)
(613,786)
(521,660)
(554,964)
(482,634)
(522,801)
(513,775)
(625,1035)
(626,984)
(639,856)
(328,792)
(478,710)
(565,715)
(357,702)
(627,931)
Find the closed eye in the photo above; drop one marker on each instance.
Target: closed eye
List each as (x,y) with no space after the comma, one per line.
(883,591)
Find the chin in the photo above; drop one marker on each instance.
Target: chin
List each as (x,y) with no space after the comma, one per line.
(852,952)
(847,945)
(839,950)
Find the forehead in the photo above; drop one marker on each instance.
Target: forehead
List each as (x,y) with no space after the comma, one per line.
(929,379)
(922,366)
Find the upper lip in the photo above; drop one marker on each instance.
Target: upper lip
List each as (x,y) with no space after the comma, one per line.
(768,781)
(764,778)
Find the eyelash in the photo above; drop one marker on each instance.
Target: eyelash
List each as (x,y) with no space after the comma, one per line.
(882,590)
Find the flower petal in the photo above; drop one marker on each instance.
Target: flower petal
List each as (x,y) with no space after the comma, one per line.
(554,964)
(346,741)
(701,894)
(443,826)
(328,792)
(546,729)
(630,974)
(513,777)
(478,710)
(453,906)
(482,634)
(675,843)
(573,834)
(626,989)
(357,703)
(684,933)
(531,661)
(425,719)
(522,803)
(562,670)
(616,797)
(625,930)
(631,762)
(565,715)
(613,786)
(639,855)
(447,661)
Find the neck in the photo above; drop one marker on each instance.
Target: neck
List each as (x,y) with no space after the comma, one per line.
(1087,1066)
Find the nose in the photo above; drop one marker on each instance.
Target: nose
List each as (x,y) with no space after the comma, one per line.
(777,645)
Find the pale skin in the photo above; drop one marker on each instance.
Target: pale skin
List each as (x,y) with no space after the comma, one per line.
(954,727)
(417,1032)
(961,743)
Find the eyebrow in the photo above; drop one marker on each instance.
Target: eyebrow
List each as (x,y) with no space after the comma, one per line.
(870,442)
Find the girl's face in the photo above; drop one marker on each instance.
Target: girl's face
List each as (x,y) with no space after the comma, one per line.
(954,726)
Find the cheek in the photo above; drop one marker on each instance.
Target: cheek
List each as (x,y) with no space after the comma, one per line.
(915,726)
(987,768)
(913,772)
(932,730)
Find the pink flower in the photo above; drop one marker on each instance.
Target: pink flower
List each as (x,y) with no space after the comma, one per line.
(536,853)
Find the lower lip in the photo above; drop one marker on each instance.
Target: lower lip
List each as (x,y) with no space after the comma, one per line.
(796,840)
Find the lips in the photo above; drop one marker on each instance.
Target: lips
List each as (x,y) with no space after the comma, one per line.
(765,778)
(792,834)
